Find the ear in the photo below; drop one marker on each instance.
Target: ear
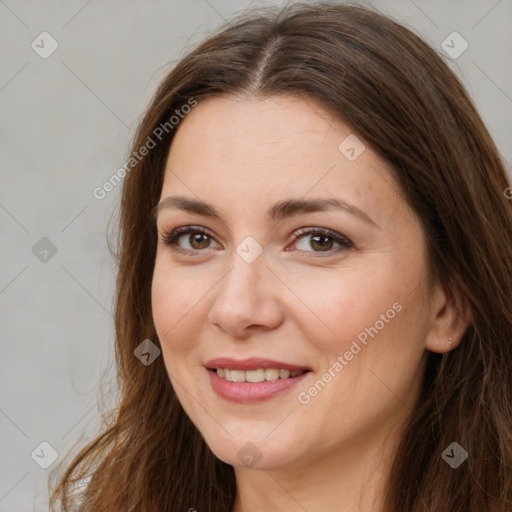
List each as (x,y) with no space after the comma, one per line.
(450,318)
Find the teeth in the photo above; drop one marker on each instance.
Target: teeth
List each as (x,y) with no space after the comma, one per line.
(271,374)
(259,375)
(255,375)
(237,376)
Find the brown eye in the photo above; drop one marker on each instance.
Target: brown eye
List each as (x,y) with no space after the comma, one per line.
(198,239)
(321,240)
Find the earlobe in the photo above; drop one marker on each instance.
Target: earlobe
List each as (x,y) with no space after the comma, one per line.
(450,318)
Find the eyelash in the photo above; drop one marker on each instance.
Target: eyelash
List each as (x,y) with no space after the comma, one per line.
(171,239)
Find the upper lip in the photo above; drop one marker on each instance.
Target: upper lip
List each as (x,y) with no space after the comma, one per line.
(252,363)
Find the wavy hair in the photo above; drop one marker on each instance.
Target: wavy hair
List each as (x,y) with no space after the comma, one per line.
(398,95)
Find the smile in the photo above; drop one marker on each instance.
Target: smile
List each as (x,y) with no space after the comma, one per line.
(259,375)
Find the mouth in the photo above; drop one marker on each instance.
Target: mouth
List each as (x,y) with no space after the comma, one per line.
(253,380)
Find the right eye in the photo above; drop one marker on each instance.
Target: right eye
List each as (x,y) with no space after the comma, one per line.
(198,239)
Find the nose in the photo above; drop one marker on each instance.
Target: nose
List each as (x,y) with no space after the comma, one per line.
(247,299)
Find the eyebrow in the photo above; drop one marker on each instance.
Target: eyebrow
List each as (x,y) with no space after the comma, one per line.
(276,213)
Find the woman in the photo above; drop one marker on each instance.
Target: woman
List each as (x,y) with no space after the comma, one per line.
(314,294)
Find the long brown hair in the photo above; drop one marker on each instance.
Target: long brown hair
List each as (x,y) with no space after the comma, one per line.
(399,96)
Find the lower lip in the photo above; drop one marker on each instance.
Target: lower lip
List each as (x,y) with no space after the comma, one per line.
(248,392)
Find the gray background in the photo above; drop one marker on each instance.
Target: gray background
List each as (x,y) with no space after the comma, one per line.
(66,124)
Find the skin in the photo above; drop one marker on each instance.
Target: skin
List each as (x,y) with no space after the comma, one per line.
(303,305)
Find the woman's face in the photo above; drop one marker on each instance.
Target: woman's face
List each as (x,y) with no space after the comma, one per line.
(281,277)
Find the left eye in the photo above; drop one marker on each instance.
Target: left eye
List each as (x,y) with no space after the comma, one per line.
(320,239)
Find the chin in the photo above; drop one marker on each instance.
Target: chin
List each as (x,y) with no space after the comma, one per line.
(255,453)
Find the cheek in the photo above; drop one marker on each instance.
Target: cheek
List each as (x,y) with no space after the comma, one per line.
(175,306)
(341,305)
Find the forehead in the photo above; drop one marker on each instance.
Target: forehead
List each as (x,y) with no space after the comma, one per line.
(259,150)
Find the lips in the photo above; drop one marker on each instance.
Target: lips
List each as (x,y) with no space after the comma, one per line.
(249,389)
